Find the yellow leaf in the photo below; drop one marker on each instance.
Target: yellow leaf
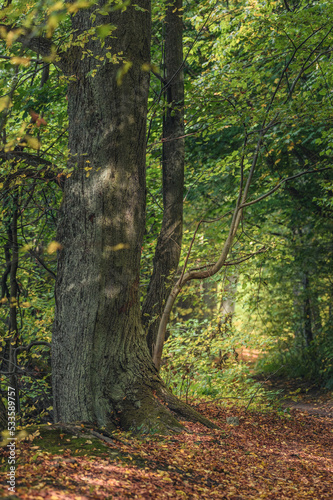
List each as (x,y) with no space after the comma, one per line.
(53,247)
(5,103)
(11,36)
(56,6)
(26,247)
(25,61)
(80,4)
(52,24)
(122,72)
(120,246)
(32,142)
(5,437)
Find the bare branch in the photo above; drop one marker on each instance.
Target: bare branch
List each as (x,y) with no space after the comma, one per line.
(47,173)
(32,344)
(243,259)
(280,184)
(304,67)
(42,263)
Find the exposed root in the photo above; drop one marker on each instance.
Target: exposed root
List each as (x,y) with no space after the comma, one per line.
(147,415)
(84,432)
(144,410)
(182,409)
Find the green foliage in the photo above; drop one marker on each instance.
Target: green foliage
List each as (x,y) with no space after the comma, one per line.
(292,360)
(201,360)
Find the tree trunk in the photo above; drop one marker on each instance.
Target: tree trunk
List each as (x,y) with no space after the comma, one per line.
(3,415)
(7,364)
(102,370)
(307,323)
(228,300)
(170,238)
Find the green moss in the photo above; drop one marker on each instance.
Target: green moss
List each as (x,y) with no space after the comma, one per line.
(56,441)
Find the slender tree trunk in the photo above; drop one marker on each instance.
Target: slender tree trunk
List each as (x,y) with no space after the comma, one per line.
(169,242)
(11,292)
(307,323)
(102,370)
(228,300)
(13,340)
(3,415)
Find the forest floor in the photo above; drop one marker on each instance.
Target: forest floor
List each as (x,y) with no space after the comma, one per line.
(285,454)
(301,395)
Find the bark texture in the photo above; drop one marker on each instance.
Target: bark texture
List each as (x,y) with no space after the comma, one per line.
(101,367)
(100,358)
(170,238)
(3,415)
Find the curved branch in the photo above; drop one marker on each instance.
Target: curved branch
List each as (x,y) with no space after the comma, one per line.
(32,344)
(48,173)
(43,46)
(262,197)
(42,264)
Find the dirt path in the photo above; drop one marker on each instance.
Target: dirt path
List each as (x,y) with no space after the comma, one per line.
(302,396)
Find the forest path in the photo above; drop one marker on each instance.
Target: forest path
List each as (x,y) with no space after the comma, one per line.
(301,395)
(265,456)
(296,394)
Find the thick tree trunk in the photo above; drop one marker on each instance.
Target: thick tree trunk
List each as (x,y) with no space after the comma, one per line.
(170,239)
(102,369)
(100,358)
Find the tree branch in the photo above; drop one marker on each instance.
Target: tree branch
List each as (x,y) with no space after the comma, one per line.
(16,157)
(42,263)
(280,184)
(30,40)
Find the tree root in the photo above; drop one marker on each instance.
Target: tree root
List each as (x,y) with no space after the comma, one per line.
(182,409)
(77,429)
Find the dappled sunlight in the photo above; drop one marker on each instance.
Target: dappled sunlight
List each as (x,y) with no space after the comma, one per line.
(265,456)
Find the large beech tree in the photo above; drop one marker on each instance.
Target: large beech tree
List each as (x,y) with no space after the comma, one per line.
(102,369)
(101,366)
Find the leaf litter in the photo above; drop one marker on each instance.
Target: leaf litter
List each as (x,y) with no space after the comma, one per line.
(257,456)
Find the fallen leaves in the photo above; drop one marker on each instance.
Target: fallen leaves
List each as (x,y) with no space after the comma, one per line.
(266,456)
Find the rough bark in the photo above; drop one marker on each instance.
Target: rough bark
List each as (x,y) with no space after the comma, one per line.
(8,364)
(13,332)
(170,238)
(101,367)
(3,415)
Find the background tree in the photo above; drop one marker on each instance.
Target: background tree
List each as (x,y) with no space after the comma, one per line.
(169,242)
